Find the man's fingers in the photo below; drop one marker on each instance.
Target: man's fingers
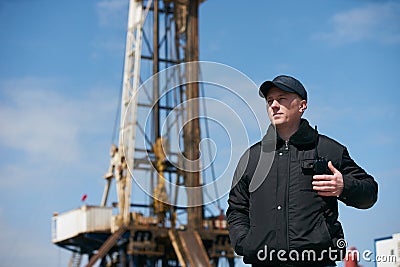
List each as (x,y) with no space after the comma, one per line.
(323,189)
(322,177)
(323,183)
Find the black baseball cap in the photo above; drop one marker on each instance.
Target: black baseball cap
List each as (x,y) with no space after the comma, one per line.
(285,83)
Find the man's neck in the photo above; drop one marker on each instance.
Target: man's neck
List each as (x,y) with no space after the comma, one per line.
(286,131)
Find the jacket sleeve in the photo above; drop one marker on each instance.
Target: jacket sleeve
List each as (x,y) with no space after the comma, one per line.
(238,208)
(360,189)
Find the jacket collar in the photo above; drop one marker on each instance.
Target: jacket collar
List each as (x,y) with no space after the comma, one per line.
(304,138)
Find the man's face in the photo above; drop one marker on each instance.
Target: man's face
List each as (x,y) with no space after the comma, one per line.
(284,109)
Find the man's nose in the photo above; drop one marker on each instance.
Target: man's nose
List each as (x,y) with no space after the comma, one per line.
(275,104)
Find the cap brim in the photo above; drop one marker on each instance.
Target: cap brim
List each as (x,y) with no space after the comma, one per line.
(264,88)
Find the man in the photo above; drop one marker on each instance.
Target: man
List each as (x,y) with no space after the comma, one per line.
(283,204)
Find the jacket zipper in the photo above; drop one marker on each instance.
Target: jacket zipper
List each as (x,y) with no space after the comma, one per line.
(287,196)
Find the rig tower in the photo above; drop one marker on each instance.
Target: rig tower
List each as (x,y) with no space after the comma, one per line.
(159,113)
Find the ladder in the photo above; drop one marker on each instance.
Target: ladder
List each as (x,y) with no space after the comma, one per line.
(75,260)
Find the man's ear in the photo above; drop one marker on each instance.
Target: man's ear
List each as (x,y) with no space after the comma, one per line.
(303,106)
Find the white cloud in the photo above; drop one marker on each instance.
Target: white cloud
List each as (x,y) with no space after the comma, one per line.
(111,12)
(37,121)
(43,130)
(49,133)
(378,22)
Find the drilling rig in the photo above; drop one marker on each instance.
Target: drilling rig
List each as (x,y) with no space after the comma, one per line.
(160,100)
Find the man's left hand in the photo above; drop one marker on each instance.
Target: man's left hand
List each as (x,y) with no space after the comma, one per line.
(329,185)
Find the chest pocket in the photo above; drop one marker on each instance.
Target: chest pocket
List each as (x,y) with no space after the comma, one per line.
(307,166)
(306,175)
(306,160)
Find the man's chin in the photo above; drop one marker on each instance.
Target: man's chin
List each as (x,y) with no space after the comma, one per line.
(277,122)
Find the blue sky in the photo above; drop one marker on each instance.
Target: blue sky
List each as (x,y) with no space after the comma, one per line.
(60,75)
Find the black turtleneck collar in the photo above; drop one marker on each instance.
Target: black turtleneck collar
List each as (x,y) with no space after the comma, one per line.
(303,138)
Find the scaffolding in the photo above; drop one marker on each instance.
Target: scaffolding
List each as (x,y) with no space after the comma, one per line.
(159,112)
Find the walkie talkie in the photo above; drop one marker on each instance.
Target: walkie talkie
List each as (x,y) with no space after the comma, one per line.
(320,163)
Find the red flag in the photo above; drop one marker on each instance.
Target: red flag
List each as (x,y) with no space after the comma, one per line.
(84,197)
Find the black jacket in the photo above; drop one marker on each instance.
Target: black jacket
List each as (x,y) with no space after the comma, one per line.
(273,207)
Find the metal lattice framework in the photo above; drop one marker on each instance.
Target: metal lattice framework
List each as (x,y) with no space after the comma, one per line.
(156,118)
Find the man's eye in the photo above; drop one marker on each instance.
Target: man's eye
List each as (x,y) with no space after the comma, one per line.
(269,102)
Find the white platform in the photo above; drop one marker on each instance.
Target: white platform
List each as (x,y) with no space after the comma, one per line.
(86,219)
